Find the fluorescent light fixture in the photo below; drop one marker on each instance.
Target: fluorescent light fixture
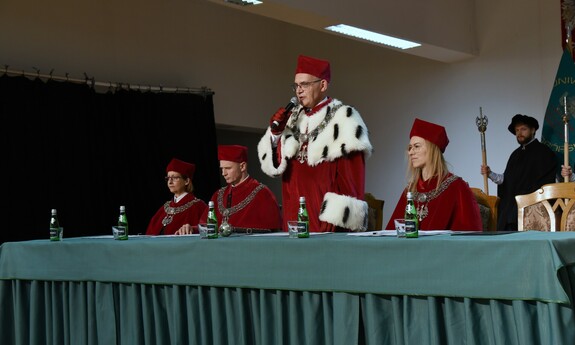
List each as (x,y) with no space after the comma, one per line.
(372,36)
(244,2)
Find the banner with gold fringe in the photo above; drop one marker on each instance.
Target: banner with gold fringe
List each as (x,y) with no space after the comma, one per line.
(559,124)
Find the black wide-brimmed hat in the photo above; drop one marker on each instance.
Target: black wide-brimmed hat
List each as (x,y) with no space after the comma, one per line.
(523,119)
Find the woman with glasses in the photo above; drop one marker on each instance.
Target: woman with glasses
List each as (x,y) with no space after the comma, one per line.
(443,200)
(179,214)
(319,148)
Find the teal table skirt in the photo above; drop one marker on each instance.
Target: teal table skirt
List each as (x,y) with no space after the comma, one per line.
(328,289)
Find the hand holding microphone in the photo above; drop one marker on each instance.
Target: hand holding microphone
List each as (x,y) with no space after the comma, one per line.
(279,119)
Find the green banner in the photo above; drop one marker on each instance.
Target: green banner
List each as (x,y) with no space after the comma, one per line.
(561,101)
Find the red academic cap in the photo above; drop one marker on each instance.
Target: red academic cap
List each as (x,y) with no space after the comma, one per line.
(233,153)
(316,67)
(184,168)
(430,132)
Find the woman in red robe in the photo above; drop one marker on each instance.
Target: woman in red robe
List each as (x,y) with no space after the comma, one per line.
(443,200)
(183,211)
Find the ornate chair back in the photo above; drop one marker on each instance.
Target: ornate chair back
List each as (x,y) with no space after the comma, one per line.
(550,208)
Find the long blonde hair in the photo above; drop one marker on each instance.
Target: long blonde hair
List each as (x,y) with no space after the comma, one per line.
(437,167)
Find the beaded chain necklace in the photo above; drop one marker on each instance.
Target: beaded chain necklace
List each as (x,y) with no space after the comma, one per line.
(171,211)
(423,198)
(228,211)
(304,137)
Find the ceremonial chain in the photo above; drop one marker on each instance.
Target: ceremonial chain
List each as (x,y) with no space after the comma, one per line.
(304,137)
(423,198)
(227,212)
(171,211)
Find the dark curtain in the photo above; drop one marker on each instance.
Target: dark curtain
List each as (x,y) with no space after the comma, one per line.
(65,146)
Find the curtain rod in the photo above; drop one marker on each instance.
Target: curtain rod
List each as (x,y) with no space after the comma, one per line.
(110,85)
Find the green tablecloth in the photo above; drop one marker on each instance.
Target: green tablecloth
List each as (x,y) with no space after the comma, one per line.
(515,266)
(331,288)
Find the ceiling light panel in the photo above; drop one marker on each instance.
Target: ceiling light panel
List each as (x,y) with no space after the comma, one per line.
(372,36)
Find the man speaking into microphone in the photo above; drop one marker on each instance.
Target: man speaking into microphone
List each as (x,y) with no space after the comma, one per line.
(318,146)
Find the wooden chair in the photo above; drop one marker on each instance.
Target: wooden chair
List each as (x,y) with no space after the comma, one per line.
(375,212)
(487,208)
(550,208)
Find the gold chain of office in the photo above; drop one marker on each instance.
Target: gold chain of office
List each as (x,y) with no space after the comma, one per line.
(171,211)
(305,137)
(423,198)
(227,212)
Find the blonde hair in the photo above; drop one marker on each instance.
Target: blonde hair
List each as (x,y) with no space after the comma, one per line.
(189,186)
(435,163)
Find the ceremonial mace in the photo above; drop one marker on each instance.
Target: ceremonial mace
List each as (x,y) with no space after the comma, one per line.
(481,122)
(566,135)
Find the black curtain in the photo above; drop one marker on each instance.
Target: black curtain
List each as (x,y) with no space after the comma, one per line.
(65,146)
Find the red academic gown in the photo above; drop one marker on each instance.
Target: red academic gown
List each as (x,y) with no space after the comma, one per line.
(345,176)
(189,216)
(321,155)
(262,213)
(454,209)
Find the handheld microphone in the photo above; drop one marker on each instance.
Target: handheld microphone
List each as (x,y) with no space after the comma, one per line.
(292,103)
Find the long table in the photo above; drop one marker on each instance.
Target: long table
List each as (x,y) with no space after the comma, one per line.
(329,289)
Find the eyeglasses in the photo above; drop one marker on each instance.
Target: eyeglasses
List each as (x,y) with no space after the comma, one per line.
(174,178)
(415,148)
(304,84)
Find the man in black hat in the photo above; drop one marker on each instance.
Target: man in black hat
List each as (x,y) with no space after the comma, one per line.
(530,166)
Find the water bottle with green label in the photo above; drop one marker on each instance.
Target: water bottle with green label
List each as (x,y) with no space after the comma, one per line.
(123,224)
(302,218)
(54,226)
(411,221)
(212,221)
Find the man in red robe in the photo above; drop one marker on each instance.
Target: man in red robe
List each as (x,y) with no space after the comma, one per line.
(247,205)
(319,148)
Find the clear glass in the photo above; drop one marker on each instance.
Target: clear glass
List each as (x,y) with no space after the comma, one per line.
(207,231)
(296,228)
(119,232)
(400,227)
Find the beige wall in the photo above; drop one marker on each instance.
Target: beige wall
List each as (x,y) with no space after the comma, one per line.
(248,60)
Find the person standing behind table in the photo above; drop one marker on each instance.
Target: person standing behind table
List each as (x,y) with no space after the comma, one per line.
(319,149)
(530,166)
(184,210)
(443,200)
(246,204)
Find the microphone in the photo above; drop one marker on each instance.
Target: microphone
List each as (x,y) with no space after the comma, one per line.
(292,103)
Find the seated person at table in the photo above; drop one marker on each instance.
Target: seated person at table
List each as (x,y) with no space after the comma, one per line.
(245,204)
(443,200)
(184,210)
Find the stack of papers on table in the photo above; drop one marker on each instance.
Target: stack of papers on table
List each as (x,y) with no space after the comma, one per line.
(393,233)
